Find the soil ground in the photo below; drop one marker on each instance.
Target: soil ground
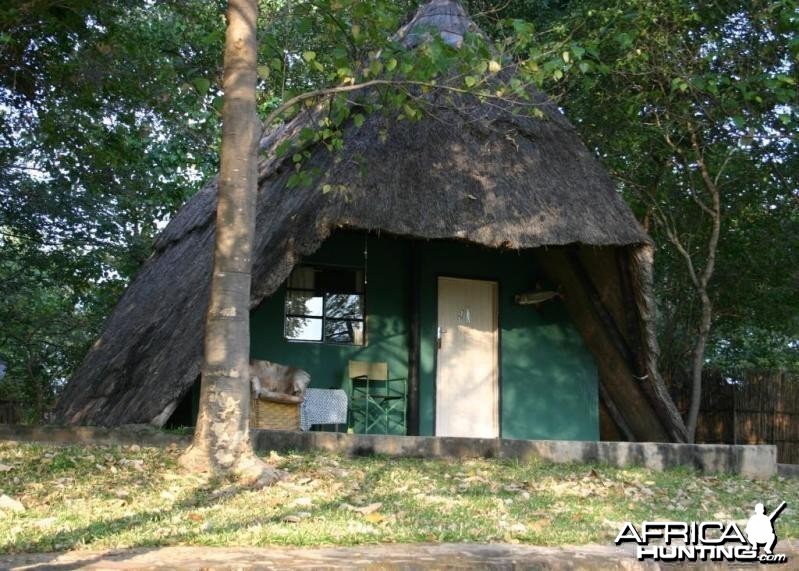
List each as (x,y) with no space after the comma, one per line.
(389,557)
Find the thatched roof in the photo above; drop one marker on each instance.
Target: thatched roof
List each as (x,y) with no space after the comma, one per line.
(477,173)
(446,18)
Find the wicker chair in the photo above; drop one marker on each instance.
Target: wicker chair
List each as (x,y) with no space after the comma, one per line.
(275,411)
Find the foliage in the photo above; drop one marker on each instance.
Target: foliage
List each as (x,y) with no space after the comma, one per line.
(44,326)
(110,122)
(107,129)
(682,84)
(88,497)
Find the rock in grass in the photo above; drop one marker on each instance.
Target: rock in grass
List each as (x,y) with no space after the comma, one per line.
(366,510)
(292,518)
(45,523)
(296,517)
(9,504)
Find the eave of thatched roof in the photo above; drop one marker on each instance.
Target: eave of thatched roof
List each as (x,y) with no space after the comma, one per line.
(470,171)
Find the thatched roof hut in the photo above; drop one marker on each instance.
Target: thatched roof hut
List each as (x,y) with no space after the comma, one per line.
(485,175)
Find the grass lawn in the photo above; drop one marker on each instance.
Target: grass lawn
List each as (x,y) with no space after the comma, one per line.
(111,497)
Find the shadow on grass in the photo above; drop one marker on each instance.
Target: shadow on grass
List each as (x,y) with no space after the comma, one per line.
(194,498)
(378,483)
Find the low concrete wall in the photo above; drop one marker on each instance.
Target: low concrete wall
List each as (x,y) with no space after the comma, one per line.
(141,434)
(752,461)
(788,470)
(758,462)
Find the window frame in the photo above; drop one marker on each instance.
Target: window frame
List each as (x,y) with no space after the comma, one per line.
(324,318)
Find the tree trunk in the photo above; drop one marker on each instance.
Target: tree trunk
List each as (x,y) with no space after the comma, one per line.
(221,440)
(698,365)
(37,389)
(701,282)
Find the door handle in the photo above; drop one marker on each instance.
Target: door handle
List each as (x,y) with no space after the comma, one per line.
(440,335)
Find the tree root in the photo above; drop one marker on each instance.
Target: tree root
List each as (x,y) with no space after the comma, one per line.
(248,469)
(256,473)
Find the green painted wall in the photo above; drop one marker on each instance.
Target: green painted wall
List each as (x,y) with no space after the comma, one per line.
(548,382)
(386,308)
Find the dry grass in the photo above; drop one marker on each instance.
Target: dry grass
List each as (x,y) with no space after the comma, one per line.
(113,497)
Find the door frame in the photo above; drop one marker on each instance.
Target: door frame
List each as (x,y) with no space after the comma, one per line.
(476,277)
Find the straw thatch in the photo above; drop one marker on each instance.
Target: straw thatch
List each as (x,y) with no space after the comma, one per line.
(470,171)
(447,19)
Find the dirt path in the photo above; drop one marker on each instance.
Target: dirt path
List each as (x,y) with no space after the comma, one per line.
(390,557)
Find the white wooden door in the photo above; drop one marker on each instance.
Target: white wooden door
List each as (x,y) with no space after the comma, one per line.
(467,392)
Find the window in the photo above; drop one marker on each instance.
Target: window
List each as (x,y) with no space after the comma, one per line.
(325,305)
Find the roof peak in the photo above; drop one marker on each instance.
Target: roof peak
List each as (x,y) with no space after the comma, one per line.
(448,18)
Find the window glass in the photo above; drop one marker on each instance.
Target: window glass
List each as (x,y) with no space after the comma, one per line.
(344,332)
(304,328)
(304,303)
(344,306)
(325,305)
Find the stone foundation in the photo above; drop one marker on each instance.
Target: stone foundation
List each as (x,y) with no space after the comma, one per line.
(752,461)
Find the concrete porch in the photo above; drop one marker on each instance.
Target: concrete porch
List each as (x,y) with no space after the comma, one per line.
(751,461)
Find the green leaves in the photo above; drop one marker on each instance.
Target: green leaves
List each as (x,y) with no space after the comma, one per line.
(126,126)
(678,83)
(301,178)
(202,85)
(283,148)
(124,130)
(665,85)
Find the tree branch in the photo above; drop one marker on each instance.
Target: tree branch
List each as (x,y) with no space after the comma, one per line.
(277,112)
(713,190)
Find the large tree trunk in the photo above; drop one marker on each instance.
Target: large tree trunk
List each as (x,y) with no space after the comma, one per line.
(221,440)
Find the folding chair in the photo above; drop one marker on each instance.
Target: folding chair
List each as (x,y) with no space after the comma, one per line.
(378,403)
